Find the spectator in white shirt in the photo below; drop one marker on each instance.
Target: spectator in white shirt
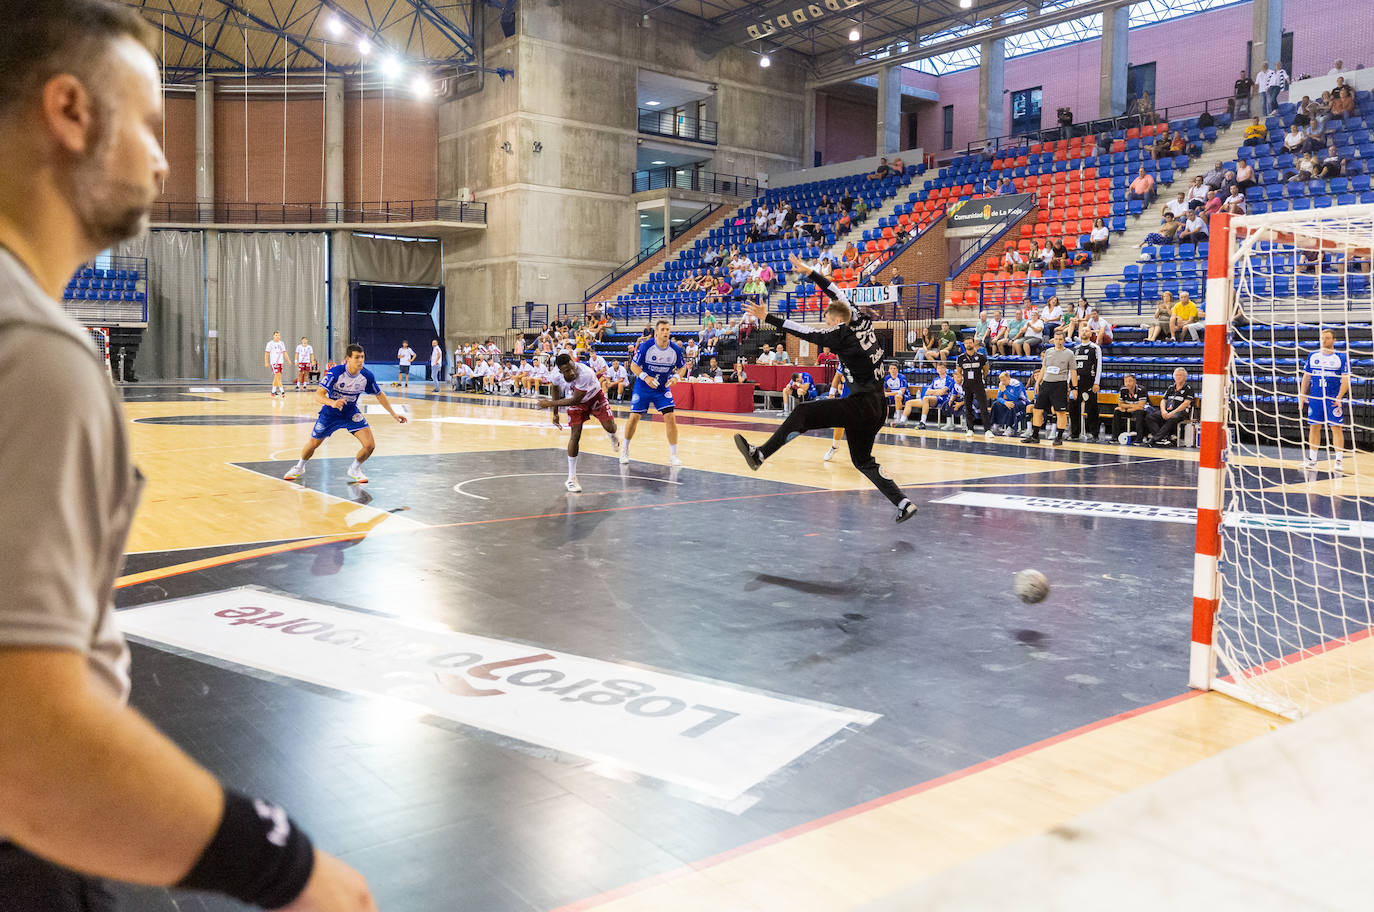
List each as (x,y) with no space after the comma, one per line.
(1338,69)
(765,356)
(1099,326)
(780,356)
(1194,230)
(1052,314)
(1178,206)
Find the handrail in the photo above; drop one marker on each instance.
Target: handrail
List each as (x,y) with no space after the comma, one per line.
(671,178)
(677,126)
(991,235)
(1092,286)
(646,252)
(424,210)
(1092,127)
(887,256)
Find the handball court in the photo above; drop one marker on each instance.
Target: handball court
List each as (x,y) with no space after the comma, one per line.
(695,688)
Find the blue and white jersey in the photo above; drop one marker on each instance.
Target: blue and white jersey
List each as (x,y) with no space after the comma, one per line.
(659,363)
(1327,369)
(940,386)
(338,383)
(895,384)
(1014,394)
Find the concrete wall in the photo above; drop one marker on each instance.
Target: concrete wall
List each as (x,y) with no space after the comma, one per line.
(1196,57)
(561,218)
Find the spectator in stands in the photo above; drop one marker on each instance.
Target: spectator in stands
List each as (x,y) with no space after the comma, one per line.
(1161,324)
(1183,314)
(691,353)
(1195,228)
(711,372)
(689,281)
(780,355)
(739,373)
(1178,206)
(1013,261)
(1011,330)
(1160,147)
(1129,415)
(1212,205)
(1332,165)
(1256,134)
(747,326)
(1104,143)
(1234,204)
(1314,137)
(1033,259)
(1204,120)
(898,167)
(799,389)
(850,256)
(882,171)
(1052,314)
(721,291)
(1078,315)
(1100,327)
(1142,188)
(1308,260)
(983,331)
(1098,239)
(1246,177)
(710,258)
(1007,187)
(1196,194)
(1174,407)
(860,209)
(1032,337)
(843,224)
(1241,94)
(1216,178)
(765,355)
(1342,104)
(1167,233)
(1009,407)
(1294,139)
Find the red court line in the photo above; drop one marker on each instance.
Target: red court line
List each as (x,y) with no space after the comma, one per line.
(802,829)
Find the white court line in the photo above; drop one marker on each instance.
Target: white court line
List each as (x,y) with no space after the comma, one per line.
(390,518)
(459,486)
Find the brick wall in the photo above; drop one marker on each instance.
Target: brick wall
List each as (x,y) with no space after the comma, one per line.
(959,284)
(180,148)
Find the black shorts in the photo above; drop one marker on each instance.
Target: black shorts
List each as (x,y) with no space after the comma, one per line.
(27,882)
(1053,395)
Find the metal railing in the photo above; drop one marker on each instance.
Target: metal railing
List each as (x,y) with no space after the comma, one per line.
(670,178)
(677,126)
(1104,125)
(646,252)
(916,301)
(1136,292)
(990,237)
(426,210)
(529,316)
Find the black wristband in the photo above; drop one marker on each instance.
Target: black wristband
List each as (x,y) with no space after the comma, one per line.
(258,855)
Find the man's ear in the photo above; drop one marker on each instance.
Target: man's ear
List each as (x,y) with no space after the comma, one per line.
(68,111)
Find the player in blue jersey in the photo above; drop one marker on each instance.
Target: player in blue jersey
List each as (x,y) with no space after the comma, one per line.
(657,362)
(896,389)
(338,394)
(1325,386)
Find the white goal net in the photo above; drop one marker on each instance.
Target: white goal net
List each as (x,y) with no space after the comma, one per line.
(100,338)
(1293,616)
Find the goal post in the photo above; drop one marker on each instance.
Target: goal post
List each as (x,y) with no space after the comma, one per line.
(1283,572)
(100,338)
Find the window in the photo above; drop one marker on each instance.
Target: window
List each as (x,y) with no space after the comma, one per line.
(948,141)
(1140,79)
(1285,56)
(1025,111)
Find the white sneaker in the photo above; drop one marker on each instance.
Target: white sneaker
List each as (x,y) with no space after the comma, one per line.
(988,435)
(624,456)
(968,432)
(948,426)
(357,477)
(296,471)
(1338,466)
(572,486)
(829,454)
(1309,462)
(674,461)
(616,444)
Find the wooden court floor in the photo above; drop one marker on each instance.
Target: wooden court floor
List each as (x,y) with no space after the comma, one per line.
(964,721)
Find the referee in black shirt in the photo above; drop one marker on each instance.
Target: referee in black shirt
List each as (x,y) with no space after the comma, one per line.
(849,334)
(974,363)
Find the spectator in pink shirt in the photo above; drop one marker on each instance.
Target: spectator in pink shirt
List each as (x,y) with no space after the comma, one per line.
(1142,188)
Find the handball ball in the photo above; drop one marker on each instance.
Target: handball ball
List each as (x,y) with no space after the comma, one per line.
(1031,586)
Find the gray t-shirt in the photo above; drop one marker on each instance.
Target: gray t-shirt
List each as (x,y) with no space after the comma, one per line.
(70,487)
(1057,362)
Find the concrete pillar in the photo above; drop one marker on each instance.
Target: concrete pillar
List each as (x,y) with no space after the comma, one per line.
(992,71)
(1267,39)
(333,139)
(210,253)
(889,110)
(205,141)
(808,128)
(667,226)
(339,274)
(1116,24)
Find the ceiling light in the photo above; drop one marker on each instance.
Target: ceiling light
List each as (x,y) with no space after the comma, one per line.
(364,46)
(854,34)
(765,61)
(677,221)
(652,104)
(422,87)
(334,26)
(391,68)
(658,163)
(965,4)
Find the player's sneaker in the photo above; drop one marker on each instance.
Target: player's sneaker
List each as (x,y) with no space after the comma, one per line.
(1031,436)
(989,434)
(1338,465)
(356,477)
(948,425)
(624,456)
(1087,438)
(751,455)
(572,486)
(921,425)
(674,461)
(906,511)
(1058,438)
(1309,462)
(616,444)
(830,454)
(296,471)
(968,431)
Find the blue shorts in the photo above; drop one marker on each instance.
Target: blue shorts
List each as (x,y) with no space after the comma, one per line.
(661,399)
(1325,411)
(331,419)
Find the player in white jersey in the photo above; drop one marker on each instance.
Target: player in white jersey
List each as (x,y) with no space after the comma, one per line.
(575,386)
(613,383)
(338,395)
(405,356)
(657,362)
(1325,385)
(305,356)
(274,358)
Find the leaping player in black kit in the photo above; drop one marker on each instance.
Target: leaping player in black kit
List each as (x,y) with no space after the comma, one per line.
(849,334)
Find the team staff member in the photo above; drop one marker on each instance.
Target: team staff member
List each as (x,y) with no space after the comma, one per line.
(88,788)
(1129,415)
(849,334)
(1173,409)
(1083,420)
(1058,383)
(973,363)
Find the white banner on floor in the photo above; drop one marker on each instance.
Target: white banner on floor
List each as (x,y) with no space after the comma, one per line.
(710,737)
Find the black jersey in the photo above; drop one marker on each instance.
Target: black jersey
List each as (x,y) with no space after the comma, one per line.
(1088,364)
(973,364)
(1175,396)
(855,343)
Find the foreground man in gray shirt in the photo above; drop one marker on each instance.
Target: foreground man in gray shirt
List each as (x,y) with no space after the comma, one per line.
(88,789)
